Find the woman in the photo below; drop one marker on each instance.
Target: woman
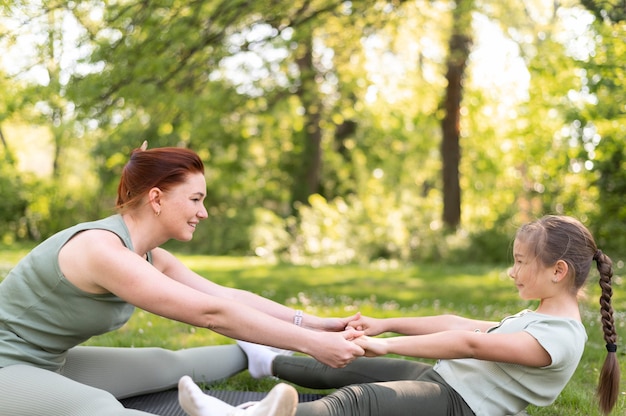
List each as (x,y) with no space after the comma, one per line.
(87,280)
(484,368)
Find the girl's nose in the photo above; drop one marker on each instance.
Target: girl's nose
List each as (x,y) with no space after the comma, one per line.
(511,272)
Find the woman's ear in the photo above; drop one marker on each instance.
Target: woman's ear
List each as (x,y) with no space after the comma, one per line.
(154,196)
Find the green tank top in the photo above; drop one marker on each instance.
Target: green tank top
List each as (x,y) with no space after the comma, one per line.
(42,314)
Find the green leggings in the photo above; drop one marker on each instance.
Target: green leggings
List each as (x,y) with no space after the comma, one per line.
(372,386)
(93,378)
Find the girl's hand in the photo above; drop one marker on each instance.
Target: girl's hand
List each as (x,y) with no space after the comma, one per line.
(373,346)
(369,326)
(332,324)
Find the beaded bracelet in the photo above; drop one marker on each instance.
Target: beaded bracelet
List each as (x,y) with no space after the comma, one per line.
(297,319)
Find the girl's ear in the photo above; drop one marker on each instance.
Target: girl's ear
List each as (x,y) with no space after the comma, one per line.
(560,270)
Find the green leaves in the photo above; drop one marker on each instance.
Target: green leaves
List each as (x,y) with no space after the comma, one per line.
(261,88)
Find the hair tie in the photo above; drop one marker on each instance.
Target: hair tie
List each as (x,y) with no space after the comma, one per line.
(596,256)
(611,347)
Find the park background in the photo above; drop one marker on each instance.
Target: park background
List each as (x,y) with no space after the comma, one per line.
(380,146)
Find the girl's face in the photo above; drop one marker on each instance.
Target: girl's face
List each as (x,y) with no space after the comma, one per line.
(182,207)
(531,277)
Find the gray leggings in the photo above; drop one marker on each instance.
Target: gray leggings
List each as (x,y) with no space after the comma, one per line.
(372,386)
(93,378)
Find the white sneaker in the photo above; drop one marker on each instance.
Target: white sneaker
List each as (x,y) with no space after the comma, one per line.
(280,401)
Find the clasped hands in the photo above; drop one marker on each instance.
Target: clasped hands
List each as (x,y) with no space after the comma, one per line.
(360,330)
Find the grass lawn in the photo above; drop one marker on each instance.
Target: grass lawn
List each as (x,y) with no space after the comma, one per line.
(381,290)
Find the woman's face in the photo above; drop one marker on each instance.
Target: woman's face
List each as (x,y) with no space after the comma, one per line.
(182,207)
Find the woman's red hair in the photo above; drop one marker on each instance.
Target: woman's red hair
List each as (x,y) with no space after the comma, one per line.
(161,167)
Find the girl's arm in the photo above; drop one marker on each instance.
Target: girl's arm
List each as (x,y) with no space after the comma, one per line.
(419,325)
(517,348)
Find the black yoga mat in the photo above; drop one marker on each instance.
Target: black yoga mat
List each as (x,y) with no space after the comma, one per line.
(166,403)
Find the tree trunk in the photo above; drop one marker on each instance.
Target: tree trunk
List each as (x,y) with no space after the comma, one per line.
(309,181)
(459,47)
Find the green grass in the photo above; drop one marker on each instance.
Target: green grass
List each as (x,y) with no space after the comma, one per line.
(382,290)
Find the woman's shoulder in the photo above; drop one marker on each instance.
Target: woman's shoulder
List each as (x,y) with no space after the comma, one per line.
(112,226)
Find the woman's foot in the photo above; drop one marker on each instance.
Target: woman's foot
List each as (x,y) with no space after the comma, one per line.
(260,358)
(280,401)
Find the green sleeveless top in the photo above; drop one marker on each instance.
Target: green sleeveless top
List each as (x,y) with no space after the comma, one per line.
(42,314)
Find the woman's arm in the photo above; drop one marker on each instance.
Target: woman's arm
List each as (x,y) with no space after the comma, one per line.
(97,261)
(517,348)
(419,325)
(169,265)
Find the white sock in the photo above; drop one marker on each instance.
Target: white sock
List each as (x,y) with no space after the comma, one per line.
(260,358)
(280,401)
(196,403)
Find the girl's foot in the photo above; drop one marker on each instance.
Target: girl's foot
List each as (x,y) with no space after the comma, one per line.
(280,401)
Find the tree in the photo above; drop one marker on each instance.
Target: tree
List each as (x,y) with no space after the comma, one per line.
(367,104)
(311,160)
(459,49)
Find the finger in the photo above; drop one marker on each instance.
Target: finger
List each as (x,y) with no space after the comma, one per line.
(348,334)
(353,318)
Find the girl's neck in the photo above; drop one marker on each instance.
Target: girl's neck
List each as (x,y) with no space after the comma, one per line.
(563,306)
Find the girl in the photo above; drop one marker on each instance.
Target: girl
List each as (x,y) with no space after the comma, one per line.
(87,280)
(484,368)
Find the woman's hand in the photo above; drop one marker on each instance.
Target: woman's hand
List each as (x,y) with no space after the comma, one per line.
(336,349)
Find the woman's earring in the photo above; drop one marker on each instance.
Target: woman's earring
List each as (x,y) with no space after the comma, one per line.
(157,213)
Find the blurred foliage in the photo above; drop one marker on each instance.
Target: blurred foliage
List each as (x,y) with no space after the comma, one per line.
(599,128)
(13,203)
(542,120)
(612,11)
